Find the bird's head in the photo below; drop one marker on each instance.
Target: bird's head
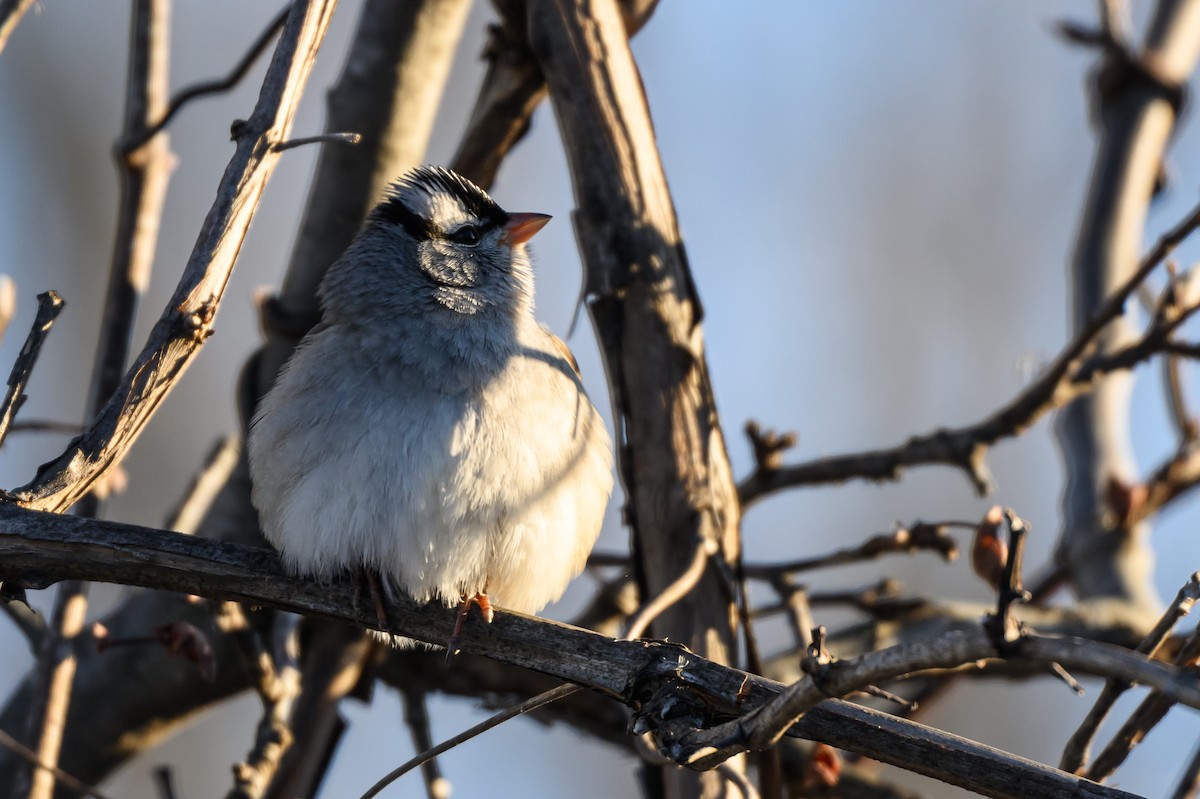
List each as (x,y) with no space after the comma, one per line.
(438,243)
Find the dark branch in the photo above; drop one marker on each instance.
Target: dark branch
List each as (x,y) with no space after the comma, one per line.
(50,305)
(41,548)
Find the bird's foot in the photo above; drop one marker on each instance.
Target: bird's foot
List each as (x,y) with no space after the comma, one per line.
(367,581)
(485,607)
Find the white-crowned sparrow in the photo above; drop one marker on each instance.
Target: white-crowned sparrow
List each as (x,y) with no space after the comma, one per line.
(429,430)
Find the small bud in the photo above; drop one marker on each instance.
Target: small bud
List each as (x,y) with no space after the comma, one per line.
(187,641)
(100,637)
(824,767)
(989,552)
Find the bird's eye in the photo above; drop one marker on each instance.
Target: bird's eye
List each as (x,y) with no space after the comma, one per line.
(467,234)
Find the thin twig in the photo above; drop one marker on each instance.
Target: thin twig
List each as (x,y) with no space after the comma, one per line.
(965,447)
(50,305)
(1151,711)
(30,757)
(501,717)
(45,426)
(919,537)
(763,725)
(1171,480)
(320,138)
(1184,420)
(1074,755)
(210,87)
(674,592)
(738,780)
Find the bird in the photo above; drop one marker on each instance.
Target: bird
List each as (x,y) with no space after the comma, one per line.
(429,434)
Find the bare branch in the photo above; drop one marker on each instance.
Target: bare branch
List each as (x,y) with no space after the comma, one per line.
(1065,379)
(50,305)
(1138,94)
(187,320)
(1151,711)
(671,594)
(496,720)
(40,547)
(765,724)
(136,138)
(919,537)
(673,458)
(512,88)
(1075,754)
(320,138)
(144,173)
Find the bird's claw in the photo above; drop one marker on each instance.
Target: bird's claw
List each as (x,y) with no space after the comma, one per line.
(464,609)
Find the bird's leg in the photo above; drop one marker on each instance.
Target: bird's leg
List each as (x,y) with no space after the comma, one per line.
(464,609)
(369,580)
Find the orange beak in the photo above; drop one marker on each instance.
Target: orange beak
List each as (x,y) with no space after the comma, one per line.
(521,227)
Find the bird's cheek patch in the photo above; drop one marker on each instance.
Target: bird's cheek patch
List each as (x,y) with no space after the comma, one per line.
(455,272)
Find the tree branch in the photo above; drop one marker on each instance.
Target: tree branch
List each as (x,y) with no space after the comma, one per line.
(134,139)
(512,89)
(1075,754)
(187,320)
(965,447)
(50,305)
(39,548)
(1137,100)
(144,173)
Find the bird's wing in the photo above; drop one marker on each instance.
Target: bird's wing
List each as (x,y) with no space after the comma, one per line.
(565,352)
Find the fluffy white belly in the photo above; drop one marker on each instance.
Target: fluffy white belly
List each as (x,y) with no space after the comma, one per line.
(497,492)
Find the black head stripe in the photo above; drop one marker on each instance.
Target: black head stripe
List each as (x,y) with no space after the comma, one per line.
(433,180)
(394,210)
